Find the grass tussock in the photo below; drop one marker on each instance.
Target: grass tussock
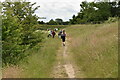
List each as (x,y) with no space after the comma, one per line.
(95,49)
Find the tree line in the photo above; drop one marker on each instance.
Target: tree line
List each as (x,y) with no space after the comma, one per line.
(96,12)
(91,12)
(57,21)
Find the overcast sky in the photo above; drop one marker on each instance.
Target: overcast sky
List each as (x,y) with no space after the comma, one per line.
(52,9)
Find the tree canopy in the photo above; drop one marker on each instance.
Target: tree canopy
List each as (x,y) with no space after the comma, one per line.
(96,12)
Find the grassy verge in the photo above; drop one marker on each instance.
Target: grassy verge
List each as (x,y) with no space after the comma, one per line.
(40,63)
(95,49)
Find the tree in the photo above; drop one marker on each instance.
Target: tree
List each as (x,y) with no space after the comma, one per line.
(18,30)
(52,22)
(95,12)
(41,22)
(66,22)
(115,9)
(59,21)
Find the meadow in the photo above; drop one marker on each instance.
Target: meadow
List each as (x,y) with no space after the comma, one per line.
(95,49)
(92,48)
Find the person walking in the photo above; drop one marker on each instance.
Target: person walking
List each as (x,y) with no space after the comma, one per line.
(53,33)
(63,37)
(59,34)
(49,33)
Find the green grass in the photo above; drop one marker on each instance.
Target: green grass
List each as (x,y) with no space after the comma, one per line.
(45,27)
(40,63)
(95,49)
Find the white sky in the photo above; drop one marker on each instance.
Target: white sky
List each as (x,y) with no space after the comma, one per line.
(52,9)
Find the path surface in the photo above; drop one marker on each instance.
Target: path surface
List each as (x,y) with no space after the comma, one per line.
(11,72)
(68,66)
(63,68)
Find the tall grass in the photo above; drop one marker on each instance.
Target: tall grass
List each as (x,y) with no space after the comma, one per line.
(95,49)
(40,63)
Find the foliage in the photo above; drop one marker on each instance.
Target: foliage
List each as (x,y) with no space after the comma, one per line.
(41,22)
(66,23)
(59,21)
(95,12)
(52,22)
(18,30)
(111,19)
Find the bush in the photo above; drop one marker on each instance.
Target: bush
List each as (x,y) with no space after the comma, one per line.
(112,19)
(18,31)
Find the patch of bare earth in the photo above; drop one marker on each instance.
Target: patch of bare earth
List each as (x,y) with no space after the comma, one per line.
(65,67)
(59,70)
(76,72)
(67,63)
(11,72)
